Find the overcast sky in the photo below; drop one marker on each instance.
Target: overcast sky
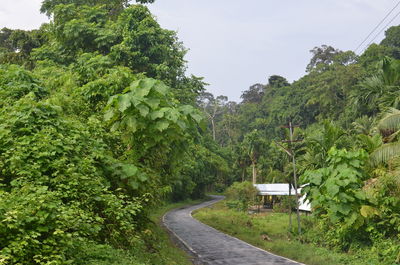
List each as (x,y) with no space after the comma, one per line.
(237,43)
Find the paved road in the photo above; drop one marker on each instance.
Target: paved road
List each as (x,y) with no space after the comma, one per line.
(212,247)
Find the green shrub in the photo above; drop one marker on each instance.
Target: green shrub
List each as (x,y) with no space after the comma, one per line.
(285,202)
(54,190)
(241,195)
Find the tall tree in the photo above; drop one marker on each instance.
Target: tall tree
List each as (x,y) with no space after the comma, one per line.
(254,94)
(212,107)
(326,55)
(254,145)
(114,6)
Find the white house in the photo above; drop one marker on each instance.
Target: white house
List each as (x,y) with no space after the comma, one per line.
(270,191)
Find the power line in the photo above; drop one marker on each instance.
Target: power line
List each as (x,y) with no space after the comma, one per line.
(382,30)
(377,26)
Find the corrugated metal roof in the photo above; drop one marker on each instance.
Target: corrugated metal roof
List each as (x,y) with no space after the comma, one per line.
(274,189)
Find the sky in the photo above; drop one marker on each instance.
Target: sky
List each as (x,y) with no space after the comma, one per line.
(234,44)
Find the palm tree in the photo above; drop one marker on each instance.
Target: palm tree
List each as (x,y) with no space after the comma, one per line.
(382,89)
(319,143)
(365,125)
(389,127)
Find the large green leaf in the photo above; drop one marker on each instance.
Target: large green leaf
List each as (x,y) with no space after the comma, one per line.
(133,184)
(109,114)
(131,123)
(124,102)
(148,82)
(144,110)
(153,103)
(161,88)
(315,178)
(129,170)
(332,189)
(197,117)
(173,115)
(186,109)
(161,125)
(157,114)
(141,88)
(142,177)
(368,211)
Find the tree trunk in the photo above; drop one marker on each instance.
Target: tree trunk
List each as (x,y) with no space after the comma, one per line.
(253,164)
(213,128)
(295,180)
(290,207)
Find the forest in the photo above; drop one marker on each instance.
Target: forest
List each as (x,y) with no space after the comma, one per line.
(100,124)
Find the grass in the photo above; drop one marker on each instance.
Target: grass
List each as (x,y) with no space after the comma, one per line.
(269,231)
(167,250)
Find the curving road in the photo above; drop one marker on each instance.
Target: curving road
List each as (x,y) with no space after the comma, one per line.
(211,247)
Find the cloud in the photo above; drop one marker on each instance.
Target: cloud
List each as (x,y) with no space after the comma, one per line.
(236,43)
(21,14)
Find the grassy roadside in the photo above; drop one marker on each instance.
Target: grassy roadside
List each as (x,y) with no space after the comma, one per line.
(269,232)
(165,247)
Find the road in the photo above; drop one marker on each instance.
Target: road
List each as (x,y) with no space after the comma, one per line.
(211,247)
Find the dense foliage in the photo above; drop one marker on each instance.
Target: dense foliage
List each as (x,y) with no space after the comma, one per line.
(98,126)
(347,123)
(241,195)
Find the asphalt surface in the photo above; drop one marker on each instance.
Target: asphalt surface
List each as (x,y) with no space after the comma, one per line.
(210,246)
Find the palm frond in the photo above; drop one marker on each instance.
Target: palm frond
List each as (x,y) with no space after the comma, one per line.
(384,153)
(364,125)
(393,136)
(390,73)
(390,121)
(371,89)
(370,143)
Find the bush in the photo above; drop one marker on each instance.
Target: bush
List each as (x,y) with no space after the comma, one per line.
(241,195)
(219,187)
(285,202)
(54,191)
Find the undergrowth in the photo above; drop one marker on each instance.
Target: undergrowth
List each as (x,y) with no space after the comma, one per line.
(269,231)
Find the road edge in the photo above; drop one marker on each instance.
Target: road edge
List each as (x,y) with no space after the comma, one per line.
(192,251)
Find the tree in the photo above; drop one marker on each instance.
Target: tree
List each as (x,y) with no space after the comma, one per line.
(16,45)
(254,144)
(322,56)
(114,6)
(89,142)
(212,107)
(254,94)
(381,91)
(392,37)
(277,81)
(319,141)
(147,48)
(326,55)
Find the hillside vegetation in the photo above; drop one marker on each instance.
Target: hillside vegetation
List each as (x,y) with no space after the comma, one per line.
(346,115)
(100,125)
